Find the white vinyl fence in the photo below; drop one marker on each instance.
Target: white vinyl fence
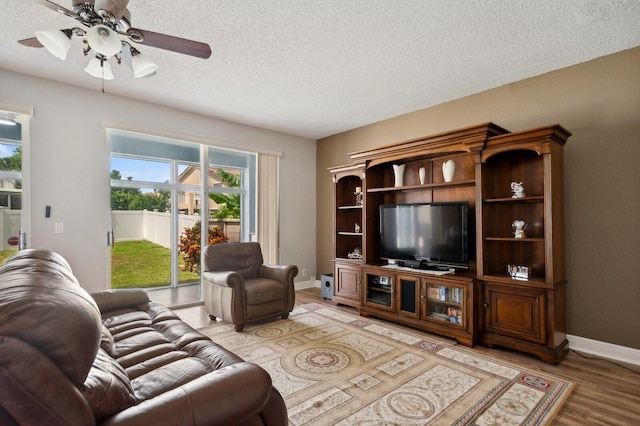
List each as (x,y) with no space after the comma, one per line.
(128,225)
(154,226)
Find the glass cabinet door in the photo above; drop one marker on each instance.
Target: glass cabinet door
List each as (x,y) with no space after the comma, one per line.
(445,303)
(379,291)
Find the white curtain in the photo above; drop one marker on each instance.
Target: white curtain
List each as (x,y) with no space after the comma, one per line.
(268,203)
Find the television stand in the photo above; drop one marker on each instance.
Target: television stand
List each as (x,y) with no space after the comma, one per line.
(420,265)
(419,270)
(439,302)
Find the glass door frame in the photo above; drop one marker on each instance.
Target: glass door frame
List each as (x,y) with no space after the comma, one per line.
(246,169)
(23,118)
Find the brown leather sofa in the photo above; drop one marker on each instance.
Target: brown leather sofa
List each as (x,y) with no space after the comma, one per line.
(238,288)
(114,358)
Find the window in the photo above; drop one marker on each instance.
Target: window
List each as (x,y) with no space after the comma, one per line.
(157,206)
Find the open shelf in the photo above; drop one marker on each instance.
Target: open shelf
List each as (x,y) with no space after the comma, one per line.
(441,185)
(533,199)
(514,240)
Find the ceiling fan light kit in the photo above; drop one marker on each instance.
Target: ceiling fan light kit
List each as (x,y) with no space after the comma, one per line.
(57,42)
(104,41)
(98,67)
(109,31)
(142,65)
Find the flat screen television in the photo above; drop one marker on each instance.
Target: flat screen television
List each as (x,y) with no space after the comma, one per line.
(425,235)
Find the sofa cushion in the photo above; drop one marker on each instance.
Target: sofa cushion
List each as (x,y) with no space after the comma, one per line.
(106,341)
(41,305)
(111,300)
(168,377)
(34,391)
(262,290)
(242,257)
(107,388)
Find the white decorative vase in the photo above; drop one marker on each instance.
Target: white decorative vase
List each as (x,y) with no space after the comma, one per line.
(448,169)
(421,174)
(398,174)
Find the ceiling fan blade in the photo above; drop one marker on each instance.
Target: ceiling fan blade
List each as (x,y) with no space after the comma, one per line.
(57,8)
(167,42)
(30,42)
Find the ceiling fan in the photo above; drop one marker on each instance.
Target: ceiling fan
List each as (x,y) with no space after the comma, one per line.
(106,32)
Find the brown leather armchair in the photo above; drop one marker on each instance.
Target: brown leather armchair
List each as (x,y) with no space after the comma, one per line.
(238,288)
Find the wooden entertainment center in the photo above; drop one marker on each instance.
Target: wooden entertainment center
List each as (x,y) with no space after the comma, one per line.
(522,307)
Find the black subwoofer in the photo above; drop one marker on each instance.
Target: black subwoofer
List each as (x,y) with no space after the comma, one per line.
(326,286)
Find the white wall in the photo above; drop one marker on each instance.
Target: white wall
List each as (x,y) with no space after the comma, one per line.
(69,166)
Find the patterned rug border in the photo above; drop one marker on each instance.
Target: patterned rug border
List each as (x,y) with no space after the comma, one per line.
(514,385)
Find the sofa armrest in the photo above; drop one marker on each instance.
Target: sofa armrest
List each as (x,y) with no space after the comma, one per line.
(33,390)
(283,273)
(227,396)
(224,278)
(110,300)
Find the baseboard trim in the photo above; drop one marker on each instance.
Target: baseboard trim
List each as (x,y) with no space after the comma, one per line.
(604,349)
(577,343)
(301,285)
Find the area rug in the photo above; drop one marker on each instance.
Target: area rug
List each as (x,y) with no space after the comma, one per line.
(332,367)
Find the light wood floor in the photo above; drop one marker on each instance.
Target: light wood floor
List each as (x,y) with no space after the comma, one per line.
(605,392)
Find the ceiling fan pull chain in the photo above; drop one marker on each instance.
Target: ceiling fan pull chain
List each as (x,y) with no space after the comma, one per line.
(102,66)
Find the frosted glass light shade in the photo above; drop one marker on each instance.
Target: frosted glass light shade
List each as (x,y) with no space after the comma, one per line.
(104,40)
(142,66)
(55,41)
(99,69)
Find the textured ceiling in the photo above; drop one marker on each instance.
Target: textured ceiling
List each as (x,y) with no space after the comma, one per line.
(314,68)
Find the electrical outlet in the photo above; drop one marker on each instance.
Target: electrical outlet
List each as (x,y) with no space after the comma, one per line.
(304,272)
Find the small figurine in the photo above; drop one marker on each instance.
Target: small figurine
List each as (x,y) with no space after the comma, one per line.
(519,226)
(518,272)
(356,254)
(518,190)
(357,228)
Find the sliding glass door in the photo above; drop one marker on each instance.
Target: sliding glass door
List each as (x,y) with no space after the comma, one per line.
(158,208)
(13,206)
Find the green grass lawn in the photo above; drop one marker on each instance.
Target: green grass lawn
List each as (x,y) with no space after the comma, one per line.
(139,264)
(6,253)
(142,264)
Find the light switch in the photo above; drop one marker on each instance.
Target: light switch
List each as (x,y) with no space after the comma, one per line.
(59,228)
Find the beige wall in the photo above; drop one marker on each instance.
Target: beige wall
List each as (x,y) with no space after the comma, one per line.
(599,102)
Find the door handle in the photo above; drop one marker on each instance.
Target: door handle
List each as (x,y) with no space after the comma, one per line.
(22,240)
(111,239)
